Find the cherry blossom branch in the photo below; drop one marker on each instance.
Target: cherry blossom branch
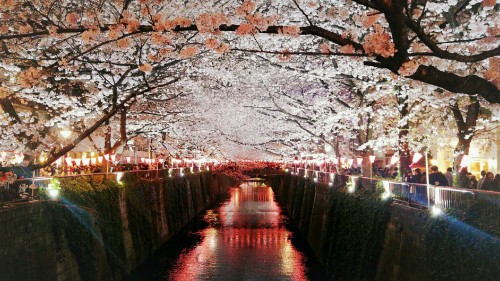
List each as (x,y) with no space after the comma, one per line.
(303,12)
(97,124)
(438,52)
(300,53)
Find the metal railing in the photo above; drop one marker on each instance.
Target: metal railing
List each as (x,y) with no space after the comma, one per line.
(412,194)
(27,189)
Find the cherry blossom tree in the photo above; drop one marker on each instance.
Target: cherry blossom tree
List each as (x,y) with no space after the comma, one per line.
(80,64)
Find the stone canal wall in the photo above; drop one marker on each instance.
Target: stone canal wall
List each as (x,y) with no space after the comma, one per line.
(100,229)
(358,236)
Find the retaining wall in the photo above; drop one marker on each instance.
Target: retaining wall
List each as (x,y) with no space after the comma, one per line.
(100,230)
(358,236)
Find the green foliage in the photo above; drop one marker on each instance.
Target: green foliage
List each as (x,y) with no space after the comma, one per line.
(138,197)
(88,214)
(464,243)
(354,233)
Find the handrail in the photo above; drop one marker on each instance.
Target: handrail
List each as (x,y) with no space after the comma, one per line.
(9,188)
(414,194)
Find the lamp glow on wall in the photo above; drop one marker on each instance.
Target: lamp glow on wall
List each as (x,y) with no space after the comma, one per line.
(465,161)
(394,160)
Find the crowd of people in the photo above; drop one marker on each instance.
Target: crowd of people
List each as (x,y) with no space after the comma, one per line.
(464,179)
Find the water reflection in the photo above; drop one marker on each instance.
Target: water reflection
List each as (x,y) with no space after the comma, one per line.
(246,240)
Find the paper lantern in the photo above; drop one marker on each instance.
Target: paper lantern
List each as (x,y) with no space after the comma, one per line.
(394,160)
(372,158)
(68,160)
(416,156)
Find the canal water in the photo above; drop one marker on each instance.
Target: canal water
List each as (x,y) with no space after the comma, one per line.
(247,237)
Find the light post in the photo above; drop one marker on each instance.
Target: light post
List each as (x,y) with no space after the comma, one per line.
(372,159)
(65,134)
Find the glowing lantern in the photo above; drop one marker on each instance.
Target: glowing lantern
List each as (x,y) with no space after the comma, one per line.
(372,158)
(394,160)
(416,156)
(78,161)
(68,160)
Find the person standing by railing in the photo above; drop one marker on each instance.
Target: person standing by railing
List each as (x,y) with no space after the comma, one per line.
(436,177)
(449,176)
(489,183)
(481,180)
(463,179)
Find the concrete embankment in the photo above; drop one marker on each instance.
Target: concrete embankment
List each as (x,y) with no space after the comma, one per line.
(359,236)
(100,229)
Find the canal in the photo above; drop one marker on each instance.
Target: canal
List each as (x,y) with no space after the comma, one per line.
(247,237)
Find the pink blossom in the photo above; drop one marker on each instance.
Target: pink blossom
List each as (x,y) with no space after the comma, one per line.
(245,29)
(380,44)
(223,48)
(188,52)
(209,23)
(246,8)
(145,68)
(72,18)
(324,48)
(292,31)
(285,55)
(347,49)
(488,3)
(212,43)
(408,68)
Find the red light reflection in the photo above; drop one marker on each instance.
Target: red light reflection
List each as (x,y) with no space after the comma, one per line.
(250,244)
